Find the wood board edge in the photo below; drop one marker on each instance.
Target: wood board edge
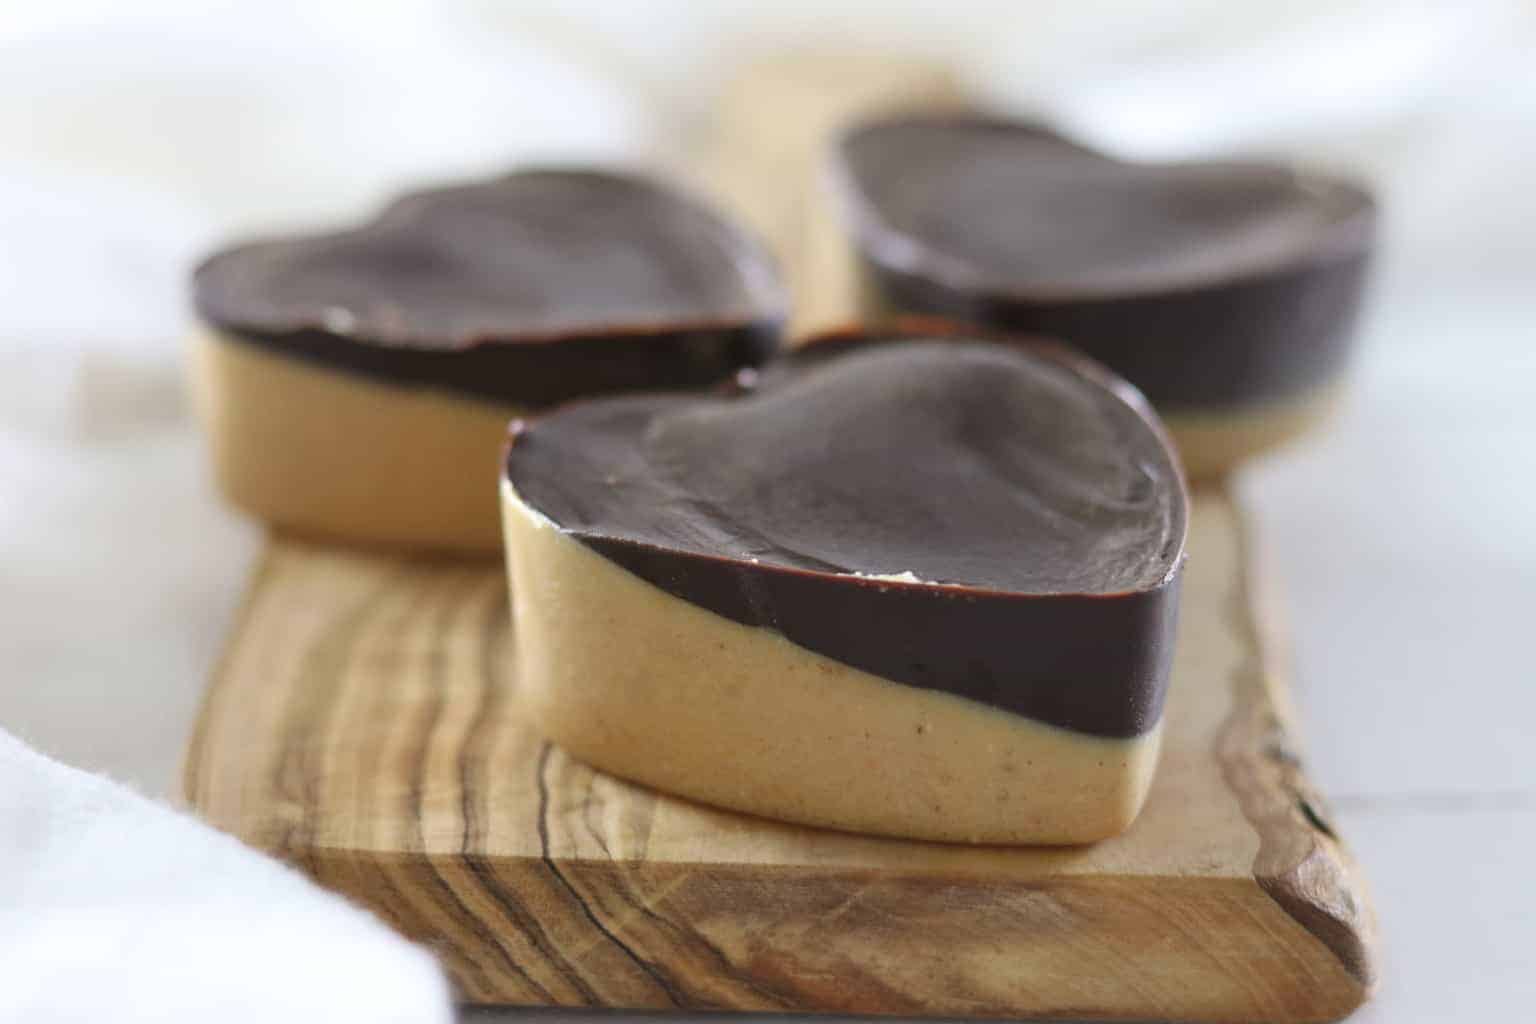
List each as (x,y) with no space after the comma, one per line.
(532,932)
(1302,863)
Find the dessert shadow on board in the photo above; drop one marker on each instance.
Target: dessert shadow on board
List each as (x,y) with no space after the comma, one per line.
(1226,291)
(912,587)
(350,382)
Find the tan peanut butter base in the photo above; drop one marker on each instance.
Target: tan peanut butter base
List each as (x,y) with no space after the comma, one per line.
(651,688)
(1211,444)
(337,454)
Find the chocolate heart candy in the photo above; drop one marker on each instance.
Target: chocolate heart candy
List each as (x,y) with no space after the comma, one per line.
(1213,287)
(358,384)
(533,288)
(922,588)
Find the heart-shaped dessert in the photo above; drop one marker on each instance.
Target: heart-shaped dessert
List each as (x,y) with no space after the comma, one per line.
(920,587)
(1225,291)
(358,383)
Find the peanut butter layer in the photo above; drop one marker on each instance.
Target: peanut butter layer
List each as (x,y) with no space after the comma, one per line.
(320,451)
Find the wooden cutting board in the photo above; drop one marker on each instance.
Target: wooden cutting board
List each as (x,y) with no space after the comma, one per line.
(360,727)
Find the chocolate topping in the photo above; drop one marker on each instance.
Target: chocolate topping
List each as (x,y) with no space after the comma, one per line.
(1004,524)
(533,288)
(1205,284)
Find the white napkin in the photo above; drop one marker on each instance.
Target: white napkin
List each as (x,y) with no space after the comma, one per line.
(113,907)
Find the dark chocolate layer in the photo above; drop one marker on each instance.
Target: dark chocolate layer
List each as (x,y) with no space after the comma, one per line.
(533,288)
(1021,510)
(1207,285)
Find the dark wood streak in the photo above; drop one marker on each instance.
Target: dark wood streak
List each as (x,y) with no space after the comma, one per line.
(487,702)
(472,757)
(587,803)
(1301,863)
(620,883)
(431,709)
(692,936)
(320,688)
(675,997)
(484,976)
(528,925)
(316,693)
(332,682)
(414,873)
(432,712)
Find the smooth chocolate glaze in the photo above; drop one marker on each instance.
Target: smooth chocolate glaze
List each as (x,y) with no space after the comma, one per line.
(1207,285)
(534,288)
(1004,524)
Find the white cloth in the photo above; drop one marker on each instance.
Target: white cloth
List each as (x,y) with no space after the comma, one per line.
(115,908)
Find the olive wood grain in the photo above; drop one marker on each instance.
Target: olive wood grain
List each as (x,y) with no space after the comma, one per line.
(361,727)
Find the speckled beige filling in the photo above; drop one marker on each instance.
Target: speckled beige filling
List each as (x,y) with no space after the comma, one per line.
(340,455)
(1213,443)
(651,688)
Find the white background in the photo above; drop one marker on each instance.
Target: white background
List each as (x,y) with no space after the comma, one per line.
(1404,540)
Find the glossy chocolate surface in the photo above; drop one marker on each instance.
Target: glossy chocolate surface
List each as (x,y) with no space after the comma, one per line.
(1207,285)
(1003,524)
(533,288)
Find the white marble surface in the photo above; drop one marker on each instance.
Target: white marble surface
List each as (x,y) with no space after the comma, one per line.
(1404,541)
